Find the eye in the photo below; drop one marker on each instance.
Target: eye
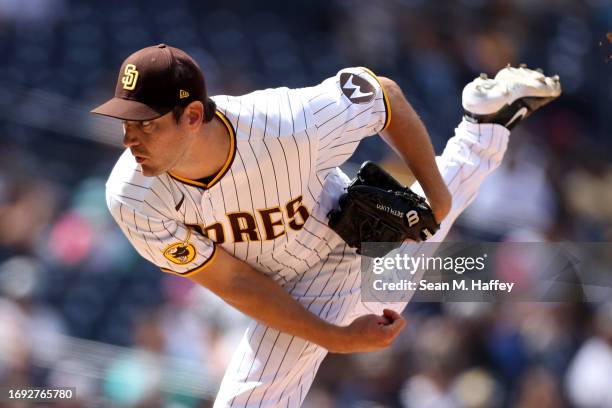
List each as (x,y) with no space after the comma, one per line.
(146,125)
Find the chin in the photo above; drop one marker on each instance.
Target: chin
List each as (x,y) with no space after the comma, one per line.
(150,172)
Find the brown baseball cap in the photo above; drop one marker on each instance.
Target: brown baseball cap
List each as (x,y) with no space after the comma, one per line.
(152,81)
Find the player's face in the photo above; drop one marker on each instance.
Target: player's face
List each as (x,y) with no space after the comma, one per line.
(158,145)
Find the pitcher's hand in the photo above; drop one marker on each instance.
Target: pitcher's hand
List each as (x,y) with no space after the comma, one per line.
(369,333)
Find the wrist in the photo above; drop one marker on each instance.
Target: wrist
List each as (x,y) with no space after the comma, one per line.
(438,195)
(436,188)
(335,339)
(440,201)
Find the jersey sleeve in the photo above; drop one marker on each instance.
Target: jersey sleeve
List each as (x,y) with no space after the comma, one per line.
(346,108)
(167,243)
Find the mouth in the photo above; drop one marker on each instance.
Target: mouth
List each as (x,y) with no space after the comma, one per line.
(139,158)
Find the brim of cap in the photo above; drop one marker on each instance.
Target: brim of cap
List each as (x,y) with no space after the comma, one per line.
(130,110)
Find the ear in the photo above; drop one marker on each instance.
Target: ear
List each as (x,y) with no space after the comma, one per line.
(193,115)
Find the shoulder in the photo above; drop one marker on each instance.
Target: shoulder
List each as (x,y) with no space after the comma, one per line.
(354,96)
(273,112)
(257,101)
(357,85)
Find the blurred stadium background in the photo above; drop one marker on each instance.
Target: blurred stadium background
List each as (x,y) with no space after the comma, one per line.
(78,307)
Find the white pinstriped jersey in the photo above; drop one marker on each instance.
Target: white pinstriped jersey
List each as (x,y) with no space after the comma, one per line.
(268,205)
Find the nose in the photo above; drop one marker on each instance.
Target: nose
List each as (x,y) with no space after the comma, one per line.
(130,136)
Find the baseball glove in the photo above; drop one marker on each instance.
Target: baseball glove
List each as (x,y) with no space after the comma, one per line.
(376,208)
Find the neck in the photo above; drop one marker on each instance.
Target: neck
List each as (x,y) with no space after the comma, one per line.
(208,152)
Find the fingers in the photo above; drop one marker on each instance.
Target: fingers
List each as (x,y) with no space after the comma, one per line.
(396,321)
(383,320)
(400,323)
(397,326)
(372,332)
(391,314)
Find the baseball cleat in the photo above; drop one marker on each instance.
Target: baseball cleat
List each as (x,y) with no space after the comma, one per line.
(513,95)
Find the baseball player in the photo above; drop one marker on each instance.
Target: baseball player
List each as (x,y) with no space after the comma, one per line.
(234,193)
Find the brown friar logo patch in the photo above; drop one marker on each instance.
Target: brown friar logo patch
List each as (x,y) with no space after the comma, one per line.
(180,253)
